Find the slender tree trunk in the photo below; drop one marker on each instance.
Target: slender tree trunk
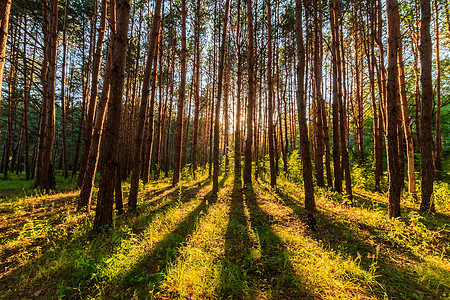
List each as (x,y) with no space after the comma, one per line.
(273,178)
(26,99)
(250,98)
(219,96)
(318,158)
(63,97)
(91,166)
(197,91)
(181,98)
(344,126)
(147,148)
(438,150)
(393,19)
(237,134)
(5,9)
(406,124)
(137,145)
(184,143)
(111,133)
(426,143)
(47,181)
(96,64)
(336,61)
(310,205)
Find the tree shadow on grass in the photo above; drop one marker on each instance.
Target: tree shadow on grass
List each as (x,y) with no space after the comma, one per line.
(275,268)
(434,221)
(149,273)
(238,247)
(73,273)
(144,218)
(342,237)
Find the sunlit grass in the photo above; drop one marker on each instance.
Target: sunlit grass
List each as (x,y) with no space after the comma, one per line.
(197,271)
(250,243)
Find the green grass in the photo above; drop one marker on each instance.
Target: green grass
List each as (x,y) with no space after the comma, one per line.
(251,243)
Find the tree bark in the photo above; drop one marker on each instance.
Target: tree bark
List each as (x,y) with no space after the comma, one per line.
(5,9)
(96,64)
(273,178)
(426,143)
(111,133)
(179,134)
(137,145)
(406,124)
(310,205)
(91,166)
(337,94)
(392,100)
(438,150)
(197,92)
(250,98)
(219,96)
(237,133)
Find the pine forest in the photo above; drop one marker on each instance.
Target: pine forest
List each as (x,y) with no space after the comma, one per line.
(234,149)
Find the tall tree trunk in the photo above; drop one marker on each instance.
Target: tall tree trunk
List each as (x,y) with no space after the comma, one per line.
(12,86)
(219,96)
(137,145)
(376,119)
(237,133)
(310,205)
(47,181)
(186,125)
(91,166)
(26,99)
(337,94)
(426,143)
(96,64)
(344,123)
(273,178)
(250,97)
(111,133)
(392,100)
(318,154)
(438,150)
(179,134)
(406,124)
(197,91)
(147,148)
(63,97)
(5,9)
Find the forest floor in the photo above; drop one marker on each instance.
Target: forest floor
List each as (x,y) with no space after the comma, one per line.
(248,243)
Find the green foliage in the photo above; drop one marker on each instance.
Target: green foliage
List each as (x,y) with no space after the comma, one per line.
(295,170)
(441,194)
(244,244)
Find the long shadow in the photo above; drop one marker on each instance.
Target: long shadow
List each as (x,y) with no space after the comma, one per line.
(340,237)
(153,193)
(146,218)
(238,245)
(432,220)
(148,274)
(276,269)
(72,275)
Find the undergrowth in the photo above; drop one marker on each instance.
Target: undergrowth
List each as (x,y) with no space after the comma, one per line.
(244,243)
